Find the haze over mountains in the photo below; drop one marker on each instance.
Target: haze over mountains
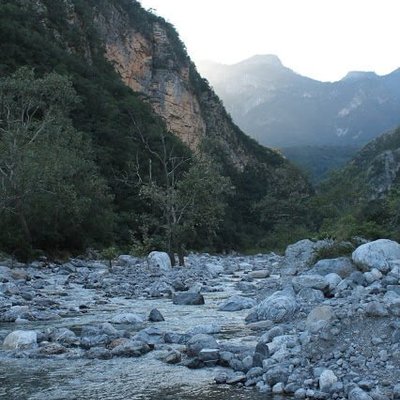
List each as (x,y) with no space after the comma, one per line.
(302,116)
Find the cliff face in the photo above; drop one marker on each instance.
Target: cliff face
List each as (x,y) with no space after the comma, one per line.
(147,65)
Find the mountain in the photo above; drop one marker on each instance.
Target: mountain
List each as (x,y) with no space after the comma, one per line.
(281,108)
(132,74)
(363,197)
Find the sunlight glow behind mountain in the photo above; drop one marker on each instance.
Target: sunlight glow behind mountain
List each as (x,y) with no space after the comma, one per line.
(322,39)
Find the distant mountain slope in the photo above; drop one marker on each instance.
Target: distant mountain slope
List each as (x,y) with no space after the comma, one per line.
(280,108)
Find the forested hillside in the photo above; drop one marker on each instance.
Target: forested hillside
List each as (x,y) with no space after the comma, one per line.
(101,162)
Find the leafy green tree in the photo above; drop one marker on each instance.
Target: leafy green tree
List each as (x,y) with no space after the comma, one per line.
(50,192)
(190,196)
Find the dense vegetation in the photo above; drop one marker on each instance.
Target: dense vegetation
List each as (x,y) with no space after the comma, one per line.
(88,170)
(358,200)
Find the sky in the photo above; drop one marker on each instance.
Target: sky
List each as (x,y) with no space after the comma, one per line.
(321,39)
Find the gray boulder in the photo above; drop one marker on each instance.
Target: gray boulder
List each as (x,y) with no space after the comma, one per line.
(376,254)
(309,282)
(341,266)
(188,298)
(237,303)
(300,255)
(155,316)
(327,379)
(278,307)
(159,261)
(128,318)
(319,317)
(200,342)
(20,340)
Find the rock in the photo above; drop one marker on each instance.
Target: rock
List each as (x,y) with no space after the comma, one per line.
(221,377)
(130,348)
(373,276)
(127,260)
(396,392)
(276,374)
(319,317)
(309,282)
(173,357)
(200,342)
(376,254)
(20,340)
(175,338)
(278,307)
(99,353)
(187,298)
(237,303)
(358,394)
(376,309)
(341,266)
(214,269)
(332,280)
(235,378)
(260,274)
(327,379)
(159,261)
(311,296)
(63,336)
(51,349)
(20,274)
(300,255)
(261,352)
(128,318)
(155,316)
(278,388)
(209,355)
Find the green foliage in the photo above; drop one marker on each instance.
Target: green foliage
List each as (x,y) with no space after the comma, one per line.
(335,250)
(50,193)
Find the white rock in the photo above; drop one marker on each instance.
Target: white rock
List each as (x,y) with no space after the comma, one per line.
(20,340)
(159,260)
(332,280)
(327,379)
(319,317)
(127,318)
(377,254)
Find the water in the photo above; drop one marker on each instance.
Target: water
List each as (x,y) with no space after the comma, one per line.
(127,378)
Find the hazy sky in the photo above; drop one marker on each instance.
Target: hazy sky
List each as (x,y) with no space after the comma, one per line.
(322,39)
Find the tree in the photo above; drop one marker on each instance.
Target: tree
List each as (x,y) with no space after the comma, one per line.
(190,195)
(50,192)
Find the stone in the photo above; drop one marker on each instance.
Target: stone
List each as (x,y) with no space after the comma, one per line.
(209,354)
(130,348)
(200,342)
(236,378)
(51,349)
(20,340)
(155,316)
(173,357)
(319,317)
(99,353)
(260,274)
(309,282)
(127,260)
(128,318)
(341,266)
(327,379)
(376,254)
(376,309)
(332,280)
(396,392)
(214,269)
(300,255)
(311,296)
(276,374)
(278,307)
(159,261)
(358,394)
(188,298)
(278,388)
(237,303)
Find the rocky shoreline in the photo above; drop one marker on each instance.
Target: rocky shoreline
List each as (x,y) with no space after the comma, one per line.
(319,330)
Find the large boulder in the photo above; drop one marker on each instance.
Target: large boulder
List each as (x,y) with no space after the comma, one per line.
(188,299)
(20,340)
(159,261)
(327,379)
(128,318)
(341,266)
(237,303)
(358,394)
(376,254)
(278,307)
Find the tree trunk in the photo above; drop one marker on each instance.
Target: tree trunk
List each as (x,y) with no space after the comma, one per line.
(172,258)
(181,256)
(24,225)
